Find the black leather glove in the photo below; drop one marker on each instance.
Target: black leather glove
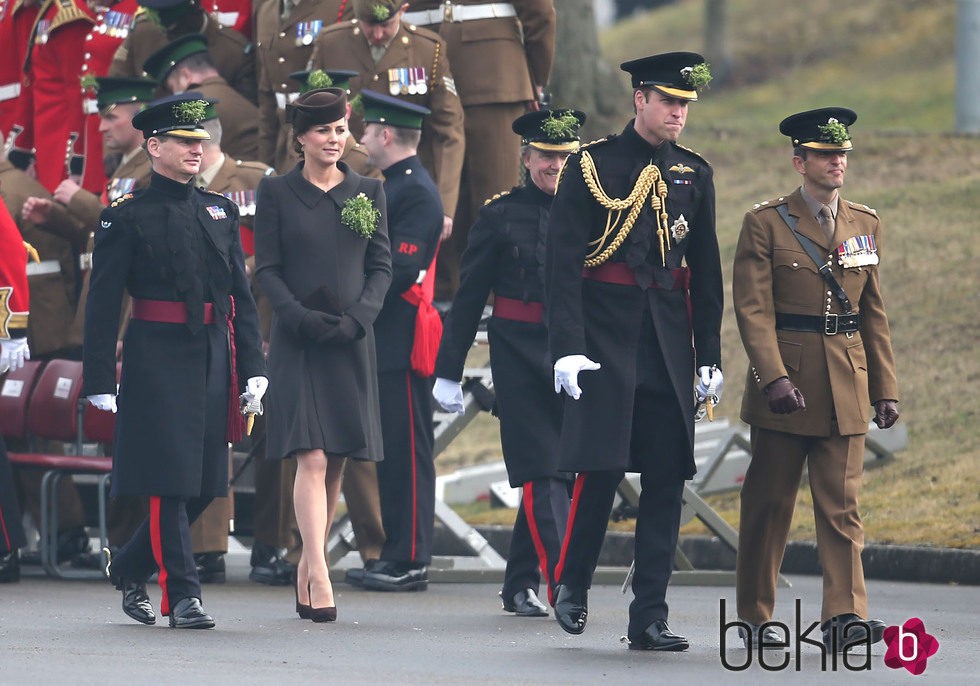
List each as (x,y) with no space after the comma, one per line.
(886,413)
(346,330)
(316,326)
(784,397)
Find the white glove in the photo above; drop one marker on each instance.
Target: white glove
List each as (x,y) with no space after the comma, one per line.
(256,387)
(13,353)
(449,395)
(711,383)
(566,373)
(104,401)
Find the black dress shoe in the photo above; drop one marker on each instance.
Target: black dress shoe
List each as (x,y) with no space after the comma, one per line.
(396,576)
(658,636)
(10,567)
(210,567)
(524,604)
(270,567)
(135,600)
(850,630)
(571,608)
(770,637)
(72,543)
(355,576)
(188,614)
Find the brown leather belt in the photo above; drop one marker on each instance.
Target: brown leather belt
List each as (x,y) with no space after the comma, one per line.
(167,311)
(621,273)
(518,310)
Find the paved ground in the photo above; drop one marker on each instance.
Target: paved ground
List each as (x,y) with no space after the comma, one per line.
(73,632)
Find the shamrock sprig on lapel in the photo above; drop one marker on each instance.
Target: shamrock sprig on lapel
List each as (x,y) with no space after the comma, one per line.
(360,215)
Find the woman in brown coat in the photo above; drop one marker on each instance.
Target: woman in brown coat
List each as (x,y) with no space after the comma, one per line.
(324,261)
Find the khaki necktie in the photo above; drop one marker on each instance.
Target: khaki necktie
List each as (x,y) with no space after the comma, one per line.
(827,222)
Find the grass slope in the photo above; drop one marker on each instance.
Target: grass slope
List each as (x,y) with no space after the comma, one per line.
(892,61)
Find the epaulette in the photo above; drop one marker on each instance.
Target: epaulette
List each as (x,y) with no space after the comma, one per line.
(498,196)
(67,12)
(696,154)
(862,208)
(423,32)
(121,199)
(257,166)
(769,203)
(208,190)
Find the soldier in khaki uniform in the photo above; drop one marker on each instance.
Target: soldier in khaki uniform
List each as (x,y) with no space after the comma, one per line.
(820,355)
(53,300)
(236,180)
(160,21)
(284,34)
(394,57)
(186,65)
(501,54)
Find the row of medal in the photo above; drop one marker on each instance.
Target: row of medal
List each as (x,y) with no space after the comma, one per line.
(307,31)
(857,251)
(245,201)
(115,24)
(118,187)
(407,81)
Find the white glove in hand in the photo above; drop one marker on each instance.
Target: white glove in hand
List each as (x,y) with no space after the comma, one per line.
(449,395)
(13,353)
(566,373)
(711,383)
(255,387)
(104,401)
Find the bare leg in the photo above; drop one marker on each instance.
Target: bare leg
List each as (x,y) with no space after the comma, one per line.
(310,503)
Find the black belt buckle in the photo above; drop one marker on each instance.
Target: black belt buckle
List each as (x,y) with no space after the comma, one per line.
(830,324)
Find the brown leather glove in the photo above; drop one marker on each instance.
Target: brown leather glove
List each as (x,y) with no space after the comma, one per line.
(886,413)
(784,397)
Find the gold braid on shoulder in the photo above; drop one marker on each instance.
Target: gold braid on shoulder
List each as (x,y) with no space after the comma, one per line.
(648,180)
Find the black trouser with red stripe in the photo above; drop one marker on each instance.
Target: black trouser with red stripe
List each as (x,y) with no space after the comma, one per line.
(535,544)
(657,524)
(407,475)
(162,543)
(12,535)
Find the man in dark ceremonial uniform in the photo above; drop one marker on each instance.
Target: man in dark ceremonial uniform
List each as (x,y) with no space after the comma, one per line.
(630,211)
(407,475)
(192,344)
(505,255)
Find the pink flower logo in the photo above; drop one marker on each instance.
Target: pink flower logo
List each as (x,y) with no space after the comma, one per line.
(909,646)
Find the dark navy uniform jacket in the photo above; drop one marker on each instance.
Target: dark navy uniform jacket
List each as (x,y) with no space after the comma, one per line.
(414,224)
(604,320)
(170,241)
(505,255)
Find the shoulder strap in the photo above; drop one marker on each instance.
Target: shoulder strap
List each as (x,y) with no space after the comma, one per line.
(811,249)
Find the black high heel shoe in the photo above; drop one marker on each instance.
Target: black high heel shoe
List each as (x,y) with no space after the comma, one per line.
(324,614)
(301,609)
